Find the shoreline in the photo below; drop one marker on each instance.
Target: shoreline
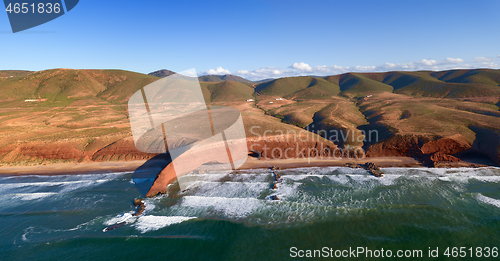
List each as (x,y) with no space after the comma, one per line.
(73,168)
(251,163)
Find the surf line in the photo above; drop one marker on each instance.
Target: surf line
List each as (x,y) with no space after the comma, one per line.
(140,207)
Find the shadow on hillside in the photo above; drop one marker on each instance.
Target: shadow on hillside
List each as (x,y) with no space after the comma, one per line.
(375,132)
(145,175)
(487,142)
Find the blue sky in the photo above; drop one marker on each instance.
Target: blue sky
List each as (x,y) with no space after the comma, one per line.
(261,39)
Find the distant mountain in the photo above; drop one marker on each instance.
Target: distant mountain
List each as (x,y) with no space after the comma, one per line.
(14,73)
(464,83)
(161,73)
(205,78)
(66,85)
(221,78)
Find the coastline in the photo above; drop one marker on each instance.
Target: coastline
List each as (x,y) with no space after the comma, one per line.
(251,163)
(73,168)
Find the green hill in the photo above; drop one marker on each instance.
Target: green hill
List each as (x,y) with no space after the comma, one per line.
(65,85)
(458,84)
(284,86)
(229,91)
(318,89)
(481,76)
(358,85)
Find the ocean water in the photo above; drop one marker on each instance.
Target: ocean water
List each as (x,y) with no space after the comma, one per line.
(230,216)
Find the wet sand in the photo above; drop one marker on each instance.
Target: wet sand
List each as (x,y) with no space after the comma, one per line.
(73,168)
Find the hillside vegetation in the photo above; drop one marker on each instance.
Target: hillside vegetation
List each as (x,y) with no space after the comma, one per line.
(81,115)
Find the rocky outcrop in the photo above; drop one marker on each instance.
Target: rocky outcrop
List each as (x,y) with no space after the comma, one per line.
(429,151)
(441,157)
(139,203)
(399,145)
(446,145)
(371,167)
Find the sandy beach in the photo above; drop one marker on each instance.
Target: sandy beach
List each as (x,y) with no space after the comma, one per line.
(251,163)
(73,168)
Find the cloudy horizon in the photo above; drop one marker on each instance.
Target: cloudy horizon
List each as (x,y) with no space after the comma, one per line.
(304,69)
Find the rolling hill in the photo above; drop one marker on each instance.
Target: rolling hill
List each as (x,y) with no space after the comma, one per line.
(305,87)
(83,113)
(66,86)
(229,91)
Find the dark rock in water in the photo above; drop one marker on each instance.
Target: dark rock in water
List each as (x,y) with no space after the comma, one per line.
(369,166)
(377,173)
(373,169)
(276,176)
(352,165)
(274,197)
(139,203)
(115,226)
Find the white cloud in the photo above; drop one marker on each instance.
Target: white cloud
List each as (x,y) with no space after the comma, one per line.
(219,71)
(265,73)
(452,61)
(482,59)
(302,67)
(487,65)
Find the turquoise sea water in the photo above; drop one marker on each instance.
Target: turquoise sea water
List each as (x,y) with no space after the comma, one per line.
(229,215)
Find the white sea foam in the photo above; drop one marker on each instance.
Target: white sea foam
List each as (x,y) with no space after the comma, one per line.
(32,196)
(493,179)
(127,217)
(488,200)
(388,179)
(230,189)
(341,179)
(66,185)
(230,207)
(298,177)
(151,223)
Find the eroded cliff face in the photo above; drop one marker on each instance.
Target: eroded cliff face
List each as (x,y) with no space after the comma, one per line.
(399,146)
(72,150)
(432,149)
